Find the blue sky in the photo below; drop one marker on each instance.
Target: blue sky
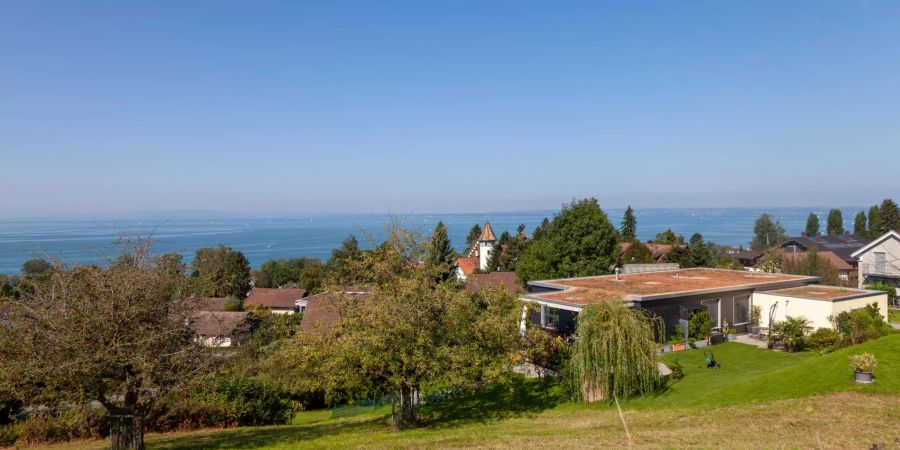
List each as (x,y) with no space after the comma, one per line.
(317,106)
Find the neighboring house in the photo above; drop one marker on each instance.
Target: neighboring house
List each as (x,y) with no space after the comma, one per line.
(222,328)
(478,281)
(815,302)
(843,245)
(843,268)
(657,251)
(477,258)
(747,258)
(880,260)
(671,295)
(321,309)
(280,301)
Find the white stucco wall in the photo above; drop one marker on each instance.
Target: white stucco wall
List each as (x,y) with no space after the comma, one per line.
(891,250)
(817,311)
(484,253)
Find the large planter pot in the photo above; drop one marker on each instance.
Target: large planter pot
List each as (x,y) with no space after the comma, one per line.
(699,344)
(666,348)
(732,336)
(863,377)
(677,347)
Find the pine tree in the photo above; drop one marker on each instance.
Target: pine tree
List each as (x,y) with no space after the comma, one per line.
(890,216)
(472,238)
(859,224)
(496,258)
(812,224)
(874,222)
(440,254)
(835,222)
(699,252)
(629,226)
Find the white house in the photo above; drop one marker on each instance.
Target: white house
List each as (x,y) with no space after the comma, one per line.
(880,260)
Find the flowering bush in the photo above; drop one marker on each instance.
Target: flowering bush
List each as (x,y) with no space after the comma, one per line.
(865,362)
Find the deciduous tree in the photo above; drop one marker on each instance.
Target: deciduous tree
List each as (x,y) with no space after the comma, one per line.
(119,336)
(222,272)
(35,266)
(580,241)
(668,237)
(767,233)
(408,334)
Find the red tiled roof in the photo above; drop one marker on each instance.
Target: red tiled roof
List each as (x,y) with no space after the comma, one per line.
(488,233)
(832,258)
(206,303)
(275,298)
(321,311)
(468,265)
(478,281)
(218,323)
(657,251)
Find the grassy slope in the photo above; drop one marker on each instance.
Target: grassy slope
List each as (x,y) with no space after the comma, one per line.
(753,401)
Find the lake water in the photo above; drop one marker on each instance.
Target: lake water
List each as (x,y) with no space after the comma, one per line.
(263,238)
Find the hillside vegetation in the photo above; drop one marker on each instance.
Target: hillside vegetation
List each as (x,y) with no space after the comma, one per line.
(758,398)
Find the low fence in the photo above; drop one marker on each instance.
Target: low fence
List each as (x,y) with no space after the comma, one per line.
(360,407)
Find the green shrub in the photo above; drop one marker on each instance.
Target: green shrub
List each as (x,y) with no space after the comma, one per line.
(861,325)
(223,401)
(791,332)
(700,325)
(233,304)
(824,340)
(55,426)
(677,371)
(882,286)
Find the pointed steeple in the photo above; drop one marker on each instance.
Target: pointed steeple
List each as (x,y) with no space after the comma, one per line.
(487,234)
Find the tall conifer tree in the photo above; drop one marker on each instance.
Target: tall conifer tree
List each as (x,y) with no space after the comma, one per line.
(812,224)
(629,226)
(860,227)
(835,222)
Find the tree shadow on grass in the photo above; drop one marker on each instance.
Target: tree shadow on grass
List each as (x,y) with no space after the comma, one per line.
(252,437)
(493,402)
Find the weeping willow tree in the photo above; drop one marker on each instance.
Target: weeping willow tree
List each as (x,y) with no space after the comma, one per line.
(615,353)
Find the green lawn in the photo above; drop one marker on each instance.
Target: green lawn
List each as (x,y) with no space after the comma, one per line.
(894,315)
(758,398)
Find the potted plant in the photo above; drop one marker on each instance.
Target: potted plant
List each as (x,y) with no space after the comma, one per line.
(732,334)
(755,316)
(677,339)
(862,366)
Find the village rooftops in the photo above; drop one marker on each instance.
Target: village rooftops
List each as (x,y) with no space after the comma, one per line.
(657,285)
(275,298)
(821,292)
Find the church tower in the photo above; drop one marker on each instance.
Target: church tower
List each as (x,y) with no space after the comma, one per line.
(486,243)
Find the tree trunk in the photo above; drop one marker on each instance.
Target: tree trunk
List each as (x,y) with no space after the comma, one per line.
(408,414)
(126,432)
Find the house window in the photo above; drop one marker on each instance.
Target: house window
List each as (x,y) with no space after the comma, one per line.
(550,317)
(713,307)
(880,263)
(742,310)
